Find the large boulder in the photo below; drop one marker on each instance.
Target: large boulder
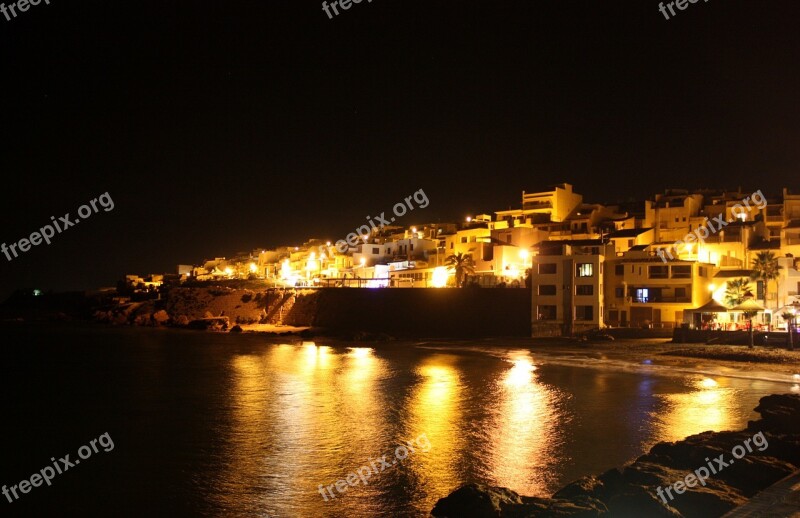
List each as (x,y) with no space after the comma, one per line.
(478,501)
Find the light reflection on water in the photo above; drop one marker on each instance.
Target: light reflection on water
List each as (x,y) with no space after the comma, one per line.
(230,425)
(524,436)
(712,405)
(307,415)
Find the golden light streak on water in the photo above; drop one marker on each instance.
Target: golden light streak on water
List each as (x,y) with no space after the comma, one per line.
(709,405)
(523,429)
(434,409)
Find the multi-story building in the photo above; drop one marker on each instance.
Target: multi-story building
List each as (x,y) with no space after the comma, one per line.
(642,290)
(567,287)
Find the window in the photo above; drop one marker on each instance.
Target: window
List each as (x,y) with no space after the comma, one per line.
(412,246)
(680,293)
(619,292)
(464,239)
(703,271)
(547,289)
(642,295)
(630,243)
(546,312)
(547,268)
(584,270)
(376,251)
(682,272)
(658,272)
(451,245)
(584,289)
(584,313)
(619,269)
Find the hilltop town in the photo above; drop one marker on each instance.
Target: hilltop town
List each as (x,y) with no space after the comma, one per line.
(655,263)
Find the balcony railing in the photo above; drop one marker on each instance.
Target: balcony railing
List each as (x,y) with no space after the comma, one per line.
(650,300)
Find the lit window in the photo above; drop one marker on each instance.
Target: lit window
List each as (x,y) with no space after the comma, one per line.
(584,270)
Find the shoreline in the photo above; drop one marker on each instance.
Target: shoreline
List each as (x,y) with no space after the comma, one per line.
(637,489)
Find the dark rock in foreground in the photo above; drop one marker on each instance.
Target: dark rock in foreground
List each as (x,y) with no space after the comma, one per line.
(632,490)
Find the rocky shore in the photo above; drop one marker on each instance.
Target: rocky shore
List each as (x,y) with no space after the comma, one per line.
(632,489)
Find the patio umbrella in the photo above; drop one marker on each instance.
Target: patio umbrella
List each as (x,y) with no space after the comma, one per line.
(748,305)
(712,306)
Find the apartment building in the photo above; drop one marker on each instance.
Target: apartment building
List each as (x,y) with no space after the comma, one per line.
(567,287)
(642,290)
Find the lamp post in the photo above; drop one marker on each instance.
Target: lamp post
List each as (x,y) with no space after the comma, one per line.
(791,323)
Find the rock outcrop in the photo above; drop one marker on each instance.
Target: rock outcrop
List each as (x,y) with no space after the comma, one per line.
(632,490)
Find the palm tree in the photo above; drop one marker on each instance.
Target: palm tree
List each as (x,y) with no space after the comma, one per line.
(462,264)
(736,291)
(766,268)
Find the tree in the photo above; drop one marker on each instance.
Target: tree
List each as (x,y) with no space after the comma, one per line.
(462,264)
(766,269)
(736,291)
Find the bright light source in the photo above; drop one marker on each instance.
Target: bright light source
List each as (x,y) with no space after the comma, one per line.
(414,230)
(327,243)
(469,218)
(439,278)
(363,261)
(708,383)
(712,287)
(253,267)
(228,271)
(523,254)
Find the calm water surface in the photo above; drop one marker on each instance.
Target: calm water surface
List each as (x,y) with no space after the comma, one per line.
(233,425)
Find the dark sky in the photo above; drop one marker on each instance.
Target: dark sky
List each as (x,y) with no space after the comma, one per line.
(225,126)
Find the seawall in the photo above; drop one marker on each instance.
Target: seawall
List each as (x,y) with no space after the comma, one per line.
(402,313)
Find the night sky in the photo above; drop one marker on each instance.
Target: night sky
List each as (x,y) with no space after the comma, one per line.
(219,127)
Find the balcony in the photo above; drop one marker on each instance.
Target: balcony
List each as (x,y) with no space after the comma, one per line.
(659,299)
